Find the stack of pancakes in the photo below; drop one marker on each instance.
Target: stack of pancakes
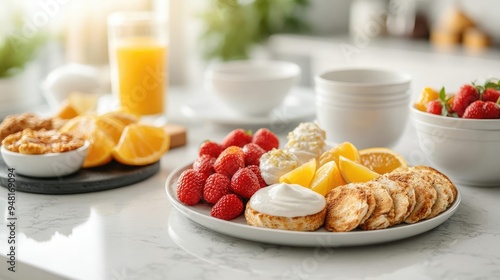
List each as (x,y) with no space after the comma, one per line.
(404,195)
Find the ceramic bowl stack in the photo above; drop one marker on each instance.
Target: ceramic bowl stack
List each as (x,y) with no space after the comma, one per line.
(368,107)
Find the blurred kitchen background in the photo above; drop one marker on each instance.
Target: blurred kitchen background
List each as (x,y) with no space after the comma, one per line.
(440,43)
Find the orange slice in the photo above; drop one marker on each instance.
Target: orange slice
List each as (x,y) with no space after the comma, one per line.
(122,116)
(326,178)
(353,172)
(83,102)
(111,126)
(141,144)
(66,112)
(382,160)
(101,145)
(428,94)
(346,149)
(301,175)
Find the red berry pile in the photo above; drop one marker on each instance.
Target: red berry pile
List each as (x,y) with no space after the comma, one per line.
(227,174)
(470,102)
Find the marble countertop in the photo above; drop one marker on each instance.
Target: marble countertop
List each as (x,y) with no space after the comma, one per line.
(134,233)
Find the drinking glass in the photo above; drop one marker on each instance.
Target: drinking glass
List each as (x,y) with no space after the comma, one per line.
(138,46)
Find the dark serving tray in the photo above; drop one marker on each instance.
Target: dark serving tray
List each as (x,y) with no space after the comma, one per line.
(109,176)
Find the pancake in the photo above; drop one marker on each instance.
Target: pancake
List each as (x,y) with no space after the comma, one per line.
(346,206)
(301,223)
(402,194)
(384,209)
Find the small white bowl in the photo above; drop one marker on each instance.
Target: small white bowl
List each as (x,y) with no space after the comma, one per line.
(365,127)
(362,81)
(252,88)
(46,165)
(468,154)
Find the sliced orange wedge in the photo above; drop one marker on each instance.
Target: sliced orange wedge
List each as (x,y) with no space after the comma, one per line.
(346,149)
(301,175)
(122,116)
(111,126)
(382,160)
(326,178)
(141,144)
(101,145)
(353,172)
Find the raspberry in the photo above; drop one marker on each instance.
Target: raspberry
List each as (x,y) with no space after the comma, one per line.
(216,186)
(210,148)
(190,187)
(256,170)
(229,161)
(245,183)
(227,208)
(464,97)
(204,164)
(237,137)
(266,139)
(252,152)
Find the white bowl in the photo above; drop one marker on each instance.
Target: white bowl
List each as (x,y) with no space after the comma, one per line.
(252,88)
(361,81)
(469,156)
(364,127)
(46,165)
(344,103)
(349,97)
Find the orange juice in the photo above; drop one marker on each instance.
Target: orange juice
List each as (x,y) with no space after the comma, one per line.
(141,71)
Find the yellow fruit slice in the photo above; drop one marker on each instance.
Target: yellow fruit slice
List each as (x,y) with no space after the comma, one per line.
(346,149)
(111,126)
(101,145)
(83,102)
(353,172)
(123,117)
(326,178)
(141,144)
(301,175)
(427,95)
(66,112)
(382,160)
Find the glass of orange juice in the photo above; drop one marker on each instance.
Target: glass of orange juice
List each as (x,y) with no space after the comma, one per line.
(138,45)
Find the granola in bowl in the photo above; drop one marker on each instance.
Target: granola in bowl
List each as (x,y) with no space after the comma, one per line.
(35,142)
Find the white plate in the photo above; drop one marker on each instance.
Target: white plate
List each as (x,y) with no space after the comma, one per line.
(297,106)
(239,228)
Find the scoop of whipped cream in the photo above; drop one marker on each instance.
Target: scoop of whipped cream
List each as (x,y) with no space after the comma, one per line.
(306,141)
(287,200)
(276,163)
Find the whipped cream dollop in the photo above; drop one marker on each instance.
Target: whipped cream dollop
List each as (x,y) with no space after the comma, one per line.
(276,163)
(287,200)
(306,141)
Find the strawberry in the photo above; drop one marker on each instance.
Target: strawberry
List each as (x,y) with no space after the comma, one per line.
(204,164)
(266,139)
(190,187)
(227,208)
(490,94)
(245,183)
(252,152)
(464,97)
(482,110)
(434,107)
(229,161)
(237,137)
(216,186)
(210,148)
(256,170)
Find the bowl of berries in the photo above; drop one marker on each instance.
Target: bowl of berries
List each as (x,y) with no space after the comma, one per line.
(460,132)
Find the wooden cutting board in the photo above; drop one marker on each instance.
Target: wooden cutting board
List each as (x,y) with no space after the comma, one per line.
(109,176)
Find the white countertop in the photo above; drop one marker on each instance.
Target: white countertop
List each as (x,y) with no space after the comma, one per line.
(134,233)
